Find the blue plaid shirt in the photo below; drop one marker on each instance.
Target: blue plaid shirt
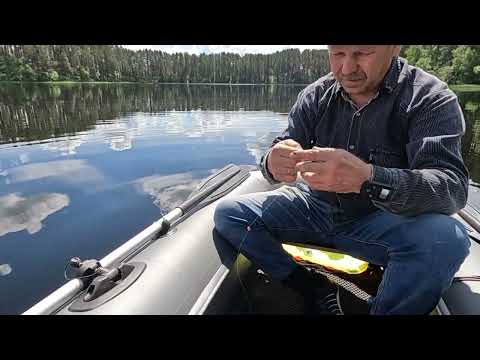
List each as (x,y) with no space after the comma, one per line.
(410,132)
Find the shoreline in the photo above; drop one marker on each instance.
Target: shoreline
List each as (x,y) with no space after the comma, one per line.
(459,87)
(144,83)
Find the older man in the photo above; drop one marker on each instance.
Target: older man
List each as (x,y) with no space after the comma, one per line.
(378,145)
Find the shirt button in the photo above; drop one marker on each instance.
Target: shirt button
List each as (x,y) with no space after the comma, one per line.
(357,114)
(352,147)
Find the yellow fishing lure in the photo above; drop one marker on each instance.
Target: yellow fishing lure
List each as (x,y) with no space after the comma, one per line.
(333,260)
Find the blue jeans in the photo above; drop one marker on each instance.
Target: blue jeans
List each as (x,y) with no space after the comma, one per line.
(420,254)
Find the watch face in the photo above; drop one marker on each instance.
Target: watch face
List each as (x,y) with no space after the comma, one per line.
(377,192)
(384,194)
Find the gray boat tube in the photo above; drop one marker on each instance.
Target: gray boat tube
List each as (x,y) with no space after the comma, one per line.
(208,192)
(467,215)
(70,289)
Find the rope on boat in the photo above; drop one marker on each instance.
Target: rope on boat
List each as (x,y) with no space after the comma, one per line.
(345,284)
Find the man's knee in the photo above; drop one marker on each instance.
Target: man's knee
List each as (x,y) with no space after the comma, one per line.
(443,237)
(224,211)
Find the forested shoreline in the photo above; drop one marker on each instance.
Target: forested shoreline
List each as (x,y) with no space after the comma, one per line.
(118,64)
(454,64)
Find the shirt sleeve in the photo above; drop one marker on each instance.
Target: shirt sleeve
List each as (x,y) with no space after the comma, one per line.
(437,178)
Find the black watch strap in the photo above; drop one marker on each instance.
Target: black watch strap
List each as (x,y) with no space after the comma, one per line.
(376,191)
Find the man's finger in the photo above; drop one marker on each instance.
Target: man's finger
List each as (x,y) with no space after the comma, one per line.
(315,154)
(285,151)
(315,185)
(286,171)
(314,177)
(282,162)
(287,178)
(308,175)
(311,166)
(291,143)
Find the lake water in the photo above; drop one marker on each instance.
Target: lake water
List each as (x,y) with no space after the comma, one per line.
(84,167)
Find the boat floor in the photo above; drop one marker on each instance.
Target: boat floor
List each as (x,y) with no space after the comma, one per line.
(261,294)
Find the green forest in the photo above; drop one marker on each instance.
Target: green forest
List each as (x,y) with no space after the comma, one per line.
(455,64)
(115,63)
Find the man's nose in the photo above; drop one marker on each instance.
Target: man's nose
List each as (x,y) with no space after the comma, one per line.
(349,65)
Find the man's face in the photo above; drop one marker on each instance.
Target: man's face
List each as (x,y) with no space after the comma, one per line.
(361,68)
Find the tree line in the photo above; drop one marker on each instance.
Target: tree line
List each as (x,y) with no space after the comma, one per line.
(115,63)
(455,64)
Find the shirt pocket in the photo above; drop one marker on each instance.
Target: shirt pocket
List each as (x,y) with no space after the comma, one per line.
(387,157)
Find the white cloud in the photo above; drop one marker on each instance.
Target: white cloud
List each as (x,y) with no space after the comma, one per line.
(208,49)
(5,269)
(71,171)
(19,213)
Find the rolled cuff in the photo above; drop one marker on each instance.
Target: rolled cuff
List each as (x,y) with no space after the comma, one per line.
(264,169)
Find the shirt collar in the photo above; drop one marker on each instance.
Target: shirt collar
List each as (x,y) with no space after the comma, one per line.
(391,78)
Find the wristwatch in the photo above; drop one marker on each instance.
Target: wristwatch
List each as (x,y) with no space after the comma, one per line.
(375,191)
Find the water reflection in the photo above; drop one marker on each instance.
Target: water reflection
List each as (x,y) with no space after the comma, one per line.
(5,269)
(66,146)
(19,213)
(119,177)
(169,191)
(258,148)
(121,142)
(31,112)
(38,111)
(24,158)
(69,171)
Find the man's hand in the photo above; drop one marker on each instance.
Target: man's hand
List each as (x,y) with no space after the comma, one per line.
(280,162)
(332,170)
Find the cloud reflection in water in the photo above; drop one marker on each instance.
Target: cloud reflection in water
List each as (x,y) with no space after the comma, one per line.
(19,213)
(71,171)
(5,269)
(169,191)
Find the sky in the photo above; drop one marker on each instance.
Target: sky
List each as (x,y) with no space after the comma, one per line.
(209,49)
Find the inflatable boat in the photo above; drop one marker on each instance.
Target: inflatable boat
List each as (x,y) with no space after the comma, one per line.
(180,265)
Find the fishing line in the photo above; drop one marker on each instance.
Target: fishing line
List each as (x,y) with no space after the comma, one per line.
(249,228)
